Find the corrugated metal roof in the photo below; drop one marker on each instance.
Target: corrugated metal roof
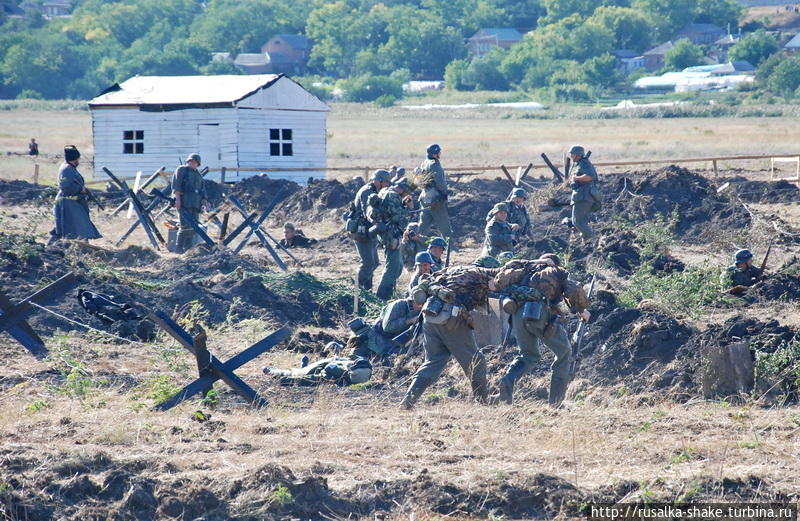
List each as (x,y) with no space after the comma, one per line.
(180,90)
(794,43)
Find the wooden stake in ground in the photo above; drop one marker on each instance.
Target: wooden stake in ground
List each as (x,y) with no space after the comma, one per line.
(356,293)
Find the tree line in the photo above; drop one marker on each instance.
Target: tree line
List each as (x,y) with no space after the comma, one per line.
(369,48)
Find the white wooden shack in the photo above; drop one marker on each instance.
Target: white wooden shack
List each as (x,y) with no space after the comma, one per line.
(256,122)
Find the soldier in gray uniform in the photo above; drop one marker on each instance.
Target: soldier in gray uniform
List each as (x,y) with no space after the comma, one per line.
(436,248)
(741,274)
(433,198)
(190,197)
(517,212)
(367,245)
(71,209)
(499,236)
(585,194)
(424,264)
(447,326)
(395,318)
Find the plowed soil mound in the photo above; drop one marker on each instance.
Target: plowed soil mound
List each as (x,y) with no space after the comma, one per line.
(320,199)
(21,192)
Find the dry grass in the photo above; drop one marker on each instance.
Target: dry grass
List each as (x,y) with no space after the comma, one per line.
(375,137)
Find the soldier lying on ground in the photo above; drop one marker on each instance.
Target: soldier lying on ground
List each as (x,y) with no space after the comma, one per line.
(293,238)
(378,340)
(338,370)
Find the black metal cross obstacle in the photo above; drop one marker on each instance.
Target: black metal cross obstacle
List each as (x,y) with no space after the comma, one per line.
(255,228)
(142,212)
(13,319)
(210,368)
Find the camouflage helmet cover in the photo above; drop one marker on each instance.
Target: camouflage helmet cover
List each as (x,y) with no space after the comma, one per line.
(505,257)
(552,256)
(499,207)
(487,261)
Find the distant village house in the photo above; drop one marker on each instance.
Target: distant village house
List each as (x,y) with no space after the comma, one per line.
(482,42)
(700,34)
(283,54)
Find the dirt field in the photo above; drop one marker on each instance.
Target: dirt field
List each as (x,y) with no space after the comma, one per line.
(81,441)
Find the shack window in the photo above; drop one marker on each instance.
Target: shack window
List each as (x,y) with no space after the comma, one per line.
(133,141)
(280,142)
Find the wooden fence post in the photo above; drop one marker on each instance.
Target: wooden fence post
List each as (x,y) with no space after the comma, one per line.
(222,174)
(716,170)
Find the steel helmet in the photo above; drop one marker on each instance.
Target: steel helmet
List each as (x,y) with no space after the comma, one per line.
(743,256)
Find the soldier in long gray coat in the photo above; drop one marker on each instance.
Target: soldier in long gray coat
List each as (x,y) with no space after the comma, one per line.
(190,196)
(433,198)
(72,208)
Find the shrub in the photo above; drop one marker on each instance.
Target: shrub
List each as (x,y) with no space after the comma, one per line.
(385,101)
(369,88)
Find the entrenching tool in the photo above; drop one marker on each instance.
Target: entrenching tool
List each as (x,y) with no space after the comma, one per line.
(210,368)
(577,338)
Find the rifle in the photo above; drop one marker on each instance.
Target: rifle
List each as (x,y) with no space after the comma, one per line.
(578,337)
(410,335)
(766,257)
(89,195)
(447,258)
(93,198)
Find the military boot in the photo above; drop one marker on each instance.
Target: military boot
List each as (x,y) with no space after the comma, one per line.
(506,384)
(415,390)
(480,387)
(558,390)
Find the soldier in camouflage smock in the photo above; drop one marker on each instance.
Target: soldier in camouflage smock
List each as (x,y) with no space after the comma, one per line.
(412,244)
(499,235)
(388,212)
(447,327)
(543,284)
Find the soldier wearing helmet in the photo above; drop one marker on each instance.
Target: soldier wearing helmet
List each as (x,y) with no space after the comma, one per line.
(741,274)
(190,198)
(518,213)
(536,288)
(367,245)
(585,194)
(433,198)
(436,248)
(499,235)
(411,244)
(424,268)
(388,214)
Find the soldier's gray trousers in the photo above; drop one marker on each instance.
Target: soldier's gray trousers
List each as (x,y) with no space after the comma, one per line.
(368,251)
(441,341)
(436,216)
(186,233)
(391,271)
(580,218)
(552,334)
